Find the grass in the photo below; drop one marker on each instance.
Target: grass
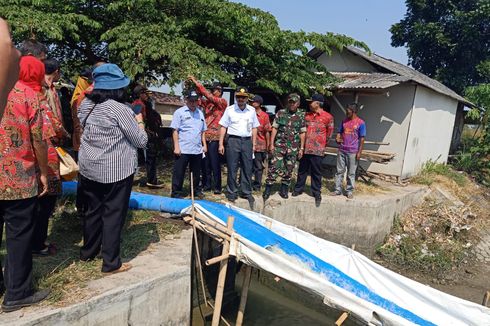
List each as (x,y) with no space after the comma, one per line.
(66,275)
(430,171)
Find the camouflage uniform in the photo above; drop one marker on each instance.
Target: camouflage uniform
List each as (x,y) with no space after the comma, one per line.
(287,143)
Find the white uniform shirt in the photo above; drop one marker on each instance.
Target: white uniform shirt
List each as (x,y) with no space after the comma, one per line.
(239,122)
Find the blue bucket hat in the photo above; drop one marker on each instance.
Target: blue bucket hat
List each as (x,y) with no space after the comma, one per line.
(109,76)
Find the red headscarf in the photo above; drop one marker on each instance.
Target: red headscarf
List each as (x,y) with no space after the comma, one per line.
(31,72)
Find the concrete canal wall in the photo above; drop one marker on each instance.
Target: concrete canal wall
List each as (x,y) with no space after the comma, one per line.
(364,221)
(156,291)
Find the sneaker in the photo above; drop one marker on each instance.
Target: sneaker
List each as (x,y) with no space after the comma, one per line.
(318,201)
(251,202)
(335,193)
(124,268)
(151,185)
(296,193)
(350,195)
(9,306)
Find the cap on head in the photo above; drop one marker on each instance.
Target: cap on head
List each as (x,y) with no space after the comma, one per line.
(316,97)
(216,85)
(109,76)
(140,89)
(192,95)
(241,91)
(293,97)
(258,99)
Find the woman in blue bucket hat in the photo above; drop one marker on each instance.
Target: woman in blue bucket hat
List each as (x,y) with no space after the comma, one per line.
(111,135)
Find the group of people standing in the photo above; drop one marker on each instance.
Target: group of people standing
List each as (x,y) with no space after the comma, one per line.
(108,133)
(206,127)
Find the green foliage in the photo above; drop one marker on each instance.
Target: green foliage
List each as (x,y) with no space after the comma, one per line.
(474,157)
(162,41)
(432,169)
(447,40)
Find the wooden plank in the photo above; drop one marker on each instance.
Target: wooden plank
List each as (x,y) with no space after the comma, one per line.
(243,298)
(342,319)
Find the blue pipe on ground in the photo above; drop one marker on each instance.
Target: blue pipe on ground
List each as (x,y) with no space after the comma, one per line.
(141,201)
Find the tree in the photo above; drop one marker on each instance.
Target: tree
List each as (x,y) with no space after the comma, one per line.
(163,41)
(448,40)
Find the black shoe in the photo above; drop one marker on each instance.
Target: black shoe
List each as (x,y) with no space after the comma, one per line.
(217,192)
(9,306)
(231,199)
(267,192)
(318,201)
(199,195)
(296,193)
(284,191)
(251,202)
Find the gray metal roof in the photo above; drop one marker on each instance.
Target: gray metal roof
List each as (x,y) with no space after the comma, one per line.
(357,80)
(402,71)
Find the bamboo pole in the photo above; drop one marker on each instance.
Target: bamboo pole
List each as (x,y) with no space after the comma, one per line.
(243,298)
(218,301)
(342,319)
(486,298)
(198,254)
(217,259)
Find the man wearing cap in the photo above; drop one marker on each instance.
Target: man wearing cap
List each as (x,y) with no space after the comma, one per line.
(319,128)
(189,144)
(153,122)
(287,143)
(350,138)
(214,106)
(240,122)
(262,141)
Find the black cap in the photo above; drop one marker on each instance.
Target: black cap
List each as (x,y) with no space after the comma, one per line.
(192,95)
(316,97)
(241,91)
(257,98)
(216,85)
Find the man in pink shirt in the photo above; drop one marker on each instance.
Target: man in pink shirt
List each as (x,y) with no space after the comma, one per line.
(350,138)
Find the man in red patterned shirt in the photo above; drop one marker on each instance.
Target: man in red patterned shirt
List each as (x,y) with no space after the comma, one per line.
(214,105)
(262,141)
(319,128)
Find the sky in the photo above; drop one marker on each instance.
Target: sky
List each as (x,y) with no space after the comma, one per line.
(365,20)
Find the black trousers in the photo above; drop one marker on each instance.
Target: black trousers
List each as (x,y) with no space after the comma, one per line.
(106,207)
(44,209)
(18,216)
(311,164)
(211,167)
(239,155)
(180,165)
(258,168)
(151,162)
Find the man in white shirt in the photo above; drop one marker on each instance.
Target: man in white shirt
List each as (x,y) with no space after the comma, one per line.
(240,123)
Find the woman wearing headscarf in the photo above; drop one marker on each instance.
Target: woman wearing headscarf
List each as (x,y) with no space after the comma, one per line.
(107,160)
(23,153)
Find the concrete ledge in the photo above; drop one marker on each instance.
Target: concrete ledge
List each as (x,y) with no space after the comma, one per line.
(364,221)
(156,291)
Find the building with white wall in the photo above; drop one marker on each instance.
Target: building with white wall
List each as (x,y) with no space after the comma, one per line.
(411,113)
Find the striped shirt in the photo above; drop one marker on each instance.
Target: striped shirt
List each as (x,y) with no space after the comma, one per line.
(110,138)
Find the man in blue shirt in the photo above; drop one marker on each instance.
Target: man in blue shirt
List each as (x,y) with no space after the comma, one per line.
(189,144)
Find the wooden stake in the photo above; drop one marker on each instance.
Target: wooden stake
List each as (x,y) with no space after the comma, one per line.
(243,298)
(486,298)
(215,260)
(218,301)
(342,319)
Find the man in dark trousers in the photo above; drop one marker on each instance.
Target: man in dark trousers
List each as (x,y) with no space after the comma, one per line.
(213,106)
(240,122)
(261,142)
(319,128)
(189,144)
(153,122)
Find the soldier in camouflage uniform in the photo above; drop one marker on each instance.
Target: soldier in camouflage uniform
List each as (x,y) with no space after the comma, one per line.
(287,143)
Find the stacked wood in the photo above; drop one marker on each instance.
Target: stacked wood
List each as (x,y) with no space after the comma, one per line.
(368,155)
